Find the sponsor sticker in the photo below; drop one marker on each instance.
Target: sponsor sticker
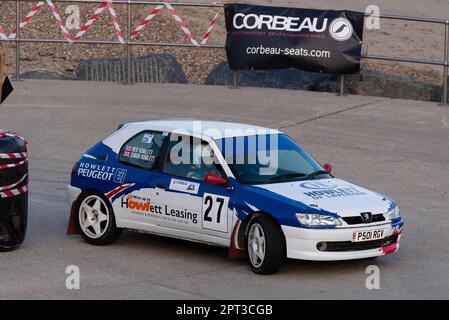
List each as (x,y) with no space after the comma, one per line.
(127,152)
(318,185)
(143,206)
(215,212)
(120,175)
(334,193)
(320,190)
(184,186)
(139,153)
(182,216)
(136,203)
(147,138)
(101,172)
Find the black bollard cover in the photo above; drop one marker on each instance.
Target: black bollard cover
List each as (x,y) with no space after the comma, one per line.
(13,190)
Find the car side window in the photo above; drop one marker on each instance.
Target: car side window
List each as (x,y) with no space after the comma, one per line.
(143,150)
(189,157)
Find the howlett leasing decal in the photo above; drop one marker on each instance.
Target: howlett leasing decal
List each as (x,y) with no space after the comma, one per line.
(262,37)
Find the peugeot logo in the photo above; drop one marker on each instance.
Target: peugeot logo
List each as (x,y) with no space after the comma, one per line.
(341,29)
(367,216)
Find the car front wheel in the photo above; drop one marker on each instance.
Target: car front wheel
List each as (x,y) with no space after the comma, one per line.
(266,245)
(96,219)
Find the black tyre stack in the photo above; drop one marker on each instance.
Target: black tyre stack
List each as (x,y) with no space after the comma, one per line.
(13,190)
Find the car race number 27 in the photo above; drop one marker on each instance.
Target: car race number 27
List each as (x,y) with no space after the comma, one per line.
(215,212)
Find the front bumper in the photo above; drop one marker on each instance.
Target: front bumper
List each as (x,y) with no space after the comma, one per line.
(302,243)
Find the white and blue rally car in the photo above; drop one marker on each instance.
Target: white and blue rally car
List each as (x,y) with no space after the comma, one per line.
(245,187)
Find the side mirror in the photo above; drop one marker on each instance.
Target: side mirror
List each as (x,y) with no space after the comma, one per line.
(328,167)
(214,179)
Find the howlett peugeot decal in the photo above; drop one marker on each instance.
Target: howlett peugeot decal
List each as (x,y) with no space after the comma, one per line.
(100,172)
(262,37)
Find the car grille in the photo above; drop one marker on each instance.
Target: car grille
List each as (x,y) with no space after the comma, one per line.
(358,219)
(356,246)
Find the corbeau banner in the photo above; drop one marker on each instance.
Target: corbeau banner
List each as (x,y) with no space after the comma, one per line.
(262,37)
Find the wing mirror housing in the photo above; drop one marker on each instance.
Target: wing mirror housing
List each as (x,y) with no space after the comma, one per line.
(214,179)
(328,167)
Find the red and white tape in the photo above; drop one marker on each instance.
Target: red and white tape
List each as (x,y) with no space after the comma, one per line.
(60,22)
(11,186)
(21,155)
(27,19)
(182,24)
(211,27)
(6,134)
(147,20)
(118,31)
(95,15)
(13,192)
(108,3)
(3,35)
(90,21)
(9,191)
(13,165)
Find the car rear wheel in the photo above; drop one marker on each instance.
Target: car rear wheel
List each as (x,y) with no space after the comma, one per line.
(266,246)
(96,220)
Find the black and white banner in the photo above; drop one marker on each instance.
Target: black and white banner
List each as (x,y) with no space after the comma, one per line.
(262,37)
(6,89)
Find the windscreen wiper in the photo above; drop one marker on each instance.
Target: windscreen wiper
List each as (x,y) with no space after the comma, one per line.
(287,176)
(316,173)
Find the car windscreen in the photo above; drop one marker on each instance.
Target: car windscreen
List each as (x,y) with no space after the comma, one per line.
(268,158)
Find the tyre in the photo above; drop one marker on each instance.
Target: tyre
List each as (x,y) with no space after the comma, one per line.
(266,245)
(96,219)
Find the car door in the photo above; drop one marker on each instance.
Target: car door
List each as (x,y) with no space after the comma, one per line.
(132,201)
(188,204)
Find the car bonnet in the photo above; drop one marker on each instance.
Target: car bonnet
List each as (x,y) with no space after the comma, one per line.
(333,195)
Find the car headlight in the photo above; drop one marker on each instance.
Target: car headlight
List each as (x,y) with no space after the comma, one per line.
(394,213)
(309,219)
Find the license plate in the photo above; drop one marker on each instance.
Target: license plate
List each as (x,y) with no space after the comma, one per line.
(371,235)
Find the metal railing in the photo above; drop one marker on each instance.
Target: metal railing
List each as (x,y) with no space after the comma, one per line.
(129,42)
(443,63)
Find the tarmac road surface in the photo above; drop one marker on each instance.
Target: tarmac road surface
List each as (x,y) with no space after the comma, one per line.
(397,147)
